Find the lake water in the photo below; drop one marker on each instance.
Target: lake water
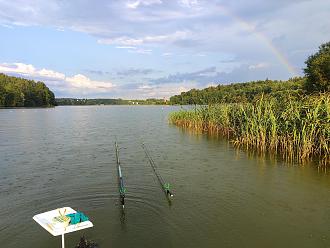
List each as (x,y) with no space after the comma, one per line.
(224,197)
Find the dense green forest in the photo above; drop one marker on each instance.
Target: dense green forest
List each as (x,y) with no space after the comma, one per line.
(287,117)
(241,92)
(19,92)
(119,101)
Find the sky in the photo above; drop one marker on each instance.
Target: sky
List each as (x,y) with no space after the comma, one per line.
(138,49)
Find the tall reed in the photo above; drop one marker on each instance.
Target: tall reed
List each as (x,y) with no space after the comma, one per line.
(299,130)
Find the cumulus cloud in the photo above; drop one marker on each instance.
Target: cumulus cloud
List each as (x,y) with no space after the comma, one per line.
(137,3)
(80,81)
(30,70)
(77,84)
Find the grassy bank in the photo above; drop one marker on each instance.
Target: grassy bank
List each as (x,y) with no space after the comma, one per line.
(299,130)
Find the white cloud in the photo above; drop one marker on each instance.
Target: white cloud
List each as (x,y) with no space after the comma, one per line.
(125,47)
(165,90)
(50,74)
(258,66)
(30,70)
(137,3)
(133,49)
(56,80)
(145,87)
(129,42)
(123,41)
(82,82)
(189,3)
(141,51)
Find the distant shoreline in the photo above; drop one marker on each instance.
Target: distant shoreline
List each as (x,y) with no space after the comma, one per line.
(137,105)
(40,107)
(108,101)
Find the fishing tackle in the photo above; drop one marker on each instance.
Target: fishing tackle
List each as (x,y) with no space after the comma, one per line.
(122,189)
(165,186)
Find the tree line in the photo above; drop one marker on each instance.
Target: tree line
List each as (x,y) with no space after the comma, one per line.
(316,79)
(20,92)
(240,92)
(100,101)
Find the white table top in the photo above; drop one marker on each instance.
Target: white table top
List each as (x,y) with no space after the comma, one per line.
(45,220)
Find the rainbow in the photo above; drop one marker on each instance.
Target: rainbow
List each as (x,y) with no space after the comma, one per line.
(262,37)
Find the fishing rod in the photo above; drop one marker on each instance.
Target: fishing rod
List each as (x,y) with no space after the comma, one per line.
(165,186)
(122,189)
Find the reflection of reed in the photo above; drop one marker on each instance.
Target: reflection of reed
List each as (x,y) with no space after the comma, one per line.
(297,130)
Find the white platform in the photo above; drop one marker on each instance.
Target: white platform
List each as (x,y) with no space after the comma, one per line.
(45,220)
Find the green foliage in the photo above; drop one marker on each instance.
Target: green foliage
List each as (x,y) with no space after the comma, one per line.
(298,129)
(241,92)
(318,70)
(19,92)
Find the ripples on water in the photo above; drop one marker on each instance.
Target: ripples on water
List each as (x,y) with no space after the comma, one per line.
(65,156)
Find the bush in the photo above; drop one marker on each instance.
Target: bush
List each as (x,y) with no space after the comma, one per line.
(318,70)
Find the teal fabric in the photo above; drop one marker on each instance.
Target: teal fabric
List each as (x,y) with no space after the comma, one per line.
(83,217)
(77,218)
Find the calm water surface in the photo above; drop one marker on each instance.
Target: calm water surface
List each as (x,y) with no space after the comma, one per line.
(65,156)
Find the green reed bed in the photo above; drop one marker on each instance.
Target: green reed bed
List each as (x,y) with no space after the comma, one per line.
(298,129)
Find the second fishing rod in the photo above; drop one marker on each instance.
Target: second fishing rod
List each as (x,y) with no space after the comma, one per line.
(122,189)
(165,186)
